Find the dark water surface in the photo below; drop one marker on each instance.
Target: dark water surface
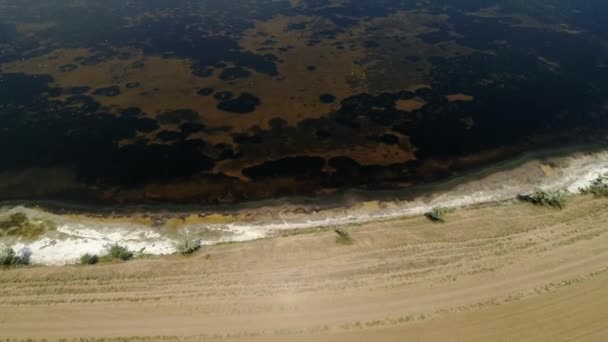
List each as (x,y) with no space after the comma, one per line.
(224,101)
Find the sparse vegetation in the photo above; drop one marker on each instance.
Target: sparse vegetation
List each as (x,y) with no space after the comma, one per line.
(8,257)
(551,198)
(117,251)
(187,246)
(599,186)
(89,259)
(343,237)
(437,214)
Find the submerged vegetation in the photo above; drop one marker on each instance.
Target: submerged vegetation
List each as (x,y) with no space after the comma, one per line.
(550,198)
(438,214)
(343,237)
(19,225)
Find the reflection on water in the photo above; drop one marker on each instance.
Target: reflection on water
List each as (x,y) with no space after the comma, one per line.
(219,102)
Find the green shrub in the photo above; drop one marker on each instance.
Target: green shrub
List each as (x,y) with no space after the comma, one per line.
(599,186)
(89,259)
(8,257)
(117,251)
(23,257)
(187,246)
(343,237)
(437,214)
(551,198)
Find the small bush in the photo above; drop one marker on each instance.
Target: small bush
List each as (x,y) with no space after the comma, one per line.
(437,214)
(599,186)
(8,257)
(187,246)
(343,237)
(117,251)
(23,257)
(551,198)
(89,259)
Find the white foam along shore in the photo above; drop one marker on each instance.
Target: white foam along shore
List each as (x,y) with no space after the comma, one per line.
(77,236)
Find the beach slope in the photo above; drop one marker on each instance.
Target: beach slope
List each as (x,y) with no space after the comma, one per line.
(507,271)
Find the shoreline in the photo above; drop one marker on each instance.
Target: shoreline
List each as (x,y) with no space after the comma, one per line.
(155,233)
(404,276)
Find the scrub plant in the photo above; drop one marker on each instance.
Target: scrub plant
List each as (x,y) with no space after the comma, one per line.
(437,214)
(551,198)
(343,237)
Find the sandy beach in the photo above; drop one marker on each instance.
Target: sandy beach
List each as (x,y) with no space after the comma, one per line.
(493,273)
(497,270)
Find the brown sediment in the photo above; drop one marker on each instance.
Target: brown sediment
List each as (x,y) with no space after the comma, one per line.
(418,86)
(34,27)
(34,181)
(460,97)
(168,84)
(410,105)
(296,95)
(523,20)
(210,190)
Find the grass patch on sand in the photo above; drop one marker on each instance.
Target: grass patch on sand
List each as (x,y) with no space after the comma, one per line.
(89,259)
(599,186)
(187,245)
(438,214)
(119,252)
(343,237)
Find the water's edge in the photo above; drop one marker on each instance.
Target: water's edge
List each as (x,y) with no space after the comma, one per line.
(155,229)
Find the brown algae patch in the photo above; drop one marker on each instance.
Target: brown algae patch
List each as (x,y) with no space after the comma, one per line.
(18,225)
(460,97)
(306,70)
(410,105)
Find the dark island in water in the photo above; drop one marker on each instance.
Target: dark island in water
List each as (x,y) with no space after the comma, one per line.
(223,101)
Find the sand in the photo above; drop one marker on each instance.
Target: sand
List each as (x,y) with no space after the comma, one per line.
(506,272)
